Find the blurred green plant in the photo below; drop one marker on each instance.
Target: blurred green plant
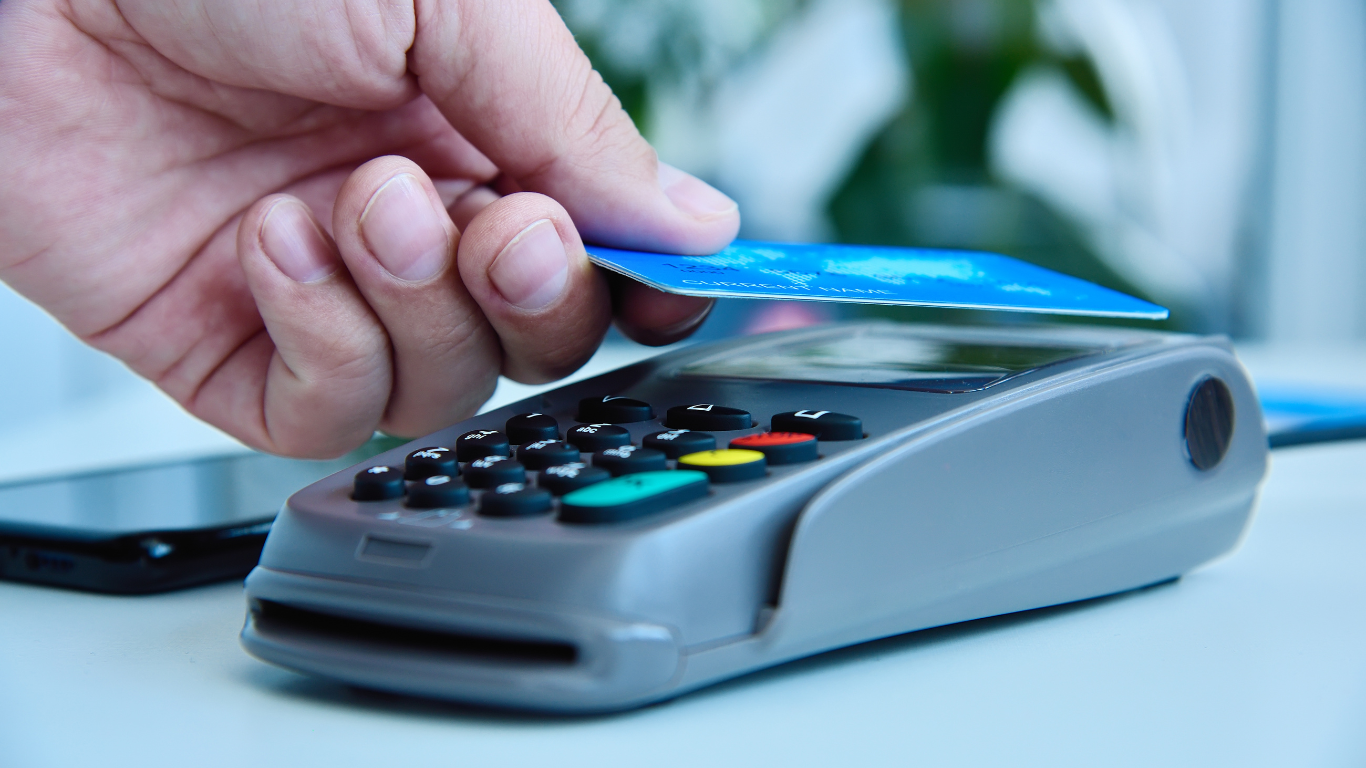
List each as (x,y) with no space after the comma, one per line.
(925,180)
(637,45)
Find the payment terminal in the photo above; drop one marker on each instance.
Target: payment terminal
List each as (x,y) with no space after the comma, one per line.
(728,507)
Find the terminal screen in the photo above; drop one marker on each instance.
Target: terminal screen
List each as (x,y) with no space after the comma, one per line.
(890,360)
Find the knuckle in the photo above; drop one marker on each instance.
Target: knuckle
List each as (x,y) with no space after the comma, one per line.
(371,56)
(598,133)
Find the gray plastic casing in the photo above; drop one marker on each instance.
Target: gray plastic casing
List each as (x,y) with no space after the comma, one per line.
(1063,483)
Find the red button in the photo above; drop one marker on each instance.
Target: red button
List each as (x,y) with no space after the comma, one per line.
(780,447)
(755,442)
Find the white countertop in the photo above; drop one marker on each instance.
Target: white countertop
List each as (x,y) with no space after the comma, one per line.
(1257,659)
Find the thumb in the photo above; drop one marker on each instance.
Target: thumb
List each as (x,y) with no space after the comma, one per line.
(509,76)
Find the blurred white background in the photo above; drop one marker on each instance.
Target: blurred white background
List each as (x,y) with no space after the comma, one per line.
(1209,154)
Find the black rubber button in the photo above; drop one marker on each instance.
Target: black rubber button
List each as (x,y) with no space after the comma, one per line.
(492,471)
(676,442)
(825,425)
(630,459)
(591,438)
(546,453)
(481,443)
(438,491)
(530,427)
(1209,423)
(571,477)
(780,447)
(378,483)
(515,500)
(429,462)
(708,417)
(614,409)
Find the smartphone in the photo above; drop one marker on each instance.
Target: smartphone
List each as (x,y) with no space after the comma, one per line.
(152,528)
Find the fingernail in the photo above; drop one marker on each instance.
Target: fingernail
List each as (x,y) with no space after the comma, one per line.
(693,196)
(293,241)
(404,230)
(533,268)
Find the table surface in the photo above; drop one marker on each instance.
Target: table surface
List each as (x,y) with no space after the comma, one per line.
(1256,659)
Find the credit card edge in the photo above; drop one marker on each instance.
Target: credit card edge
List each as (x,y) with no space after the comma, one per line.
(1163,314)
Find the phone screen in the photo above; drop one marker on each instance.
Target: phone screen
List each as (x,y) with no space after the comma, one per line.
(206,493)
(152,528)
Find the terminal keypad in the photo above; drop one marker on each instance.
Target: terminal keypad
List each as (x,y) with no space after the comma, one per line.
(623,480)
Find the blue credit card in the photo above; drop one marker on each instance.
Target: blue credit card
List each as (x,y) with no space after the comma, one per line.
(918,277)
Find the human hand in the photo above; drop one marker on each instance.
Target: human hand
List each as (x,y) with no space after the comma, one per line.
(284,213)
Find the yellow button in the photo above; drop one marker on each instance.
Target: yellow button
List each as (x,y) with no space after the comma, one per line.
(727,465)
(726,457)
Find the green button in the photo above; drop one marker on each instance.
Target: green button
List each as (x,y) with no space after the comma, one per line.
(632,496)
